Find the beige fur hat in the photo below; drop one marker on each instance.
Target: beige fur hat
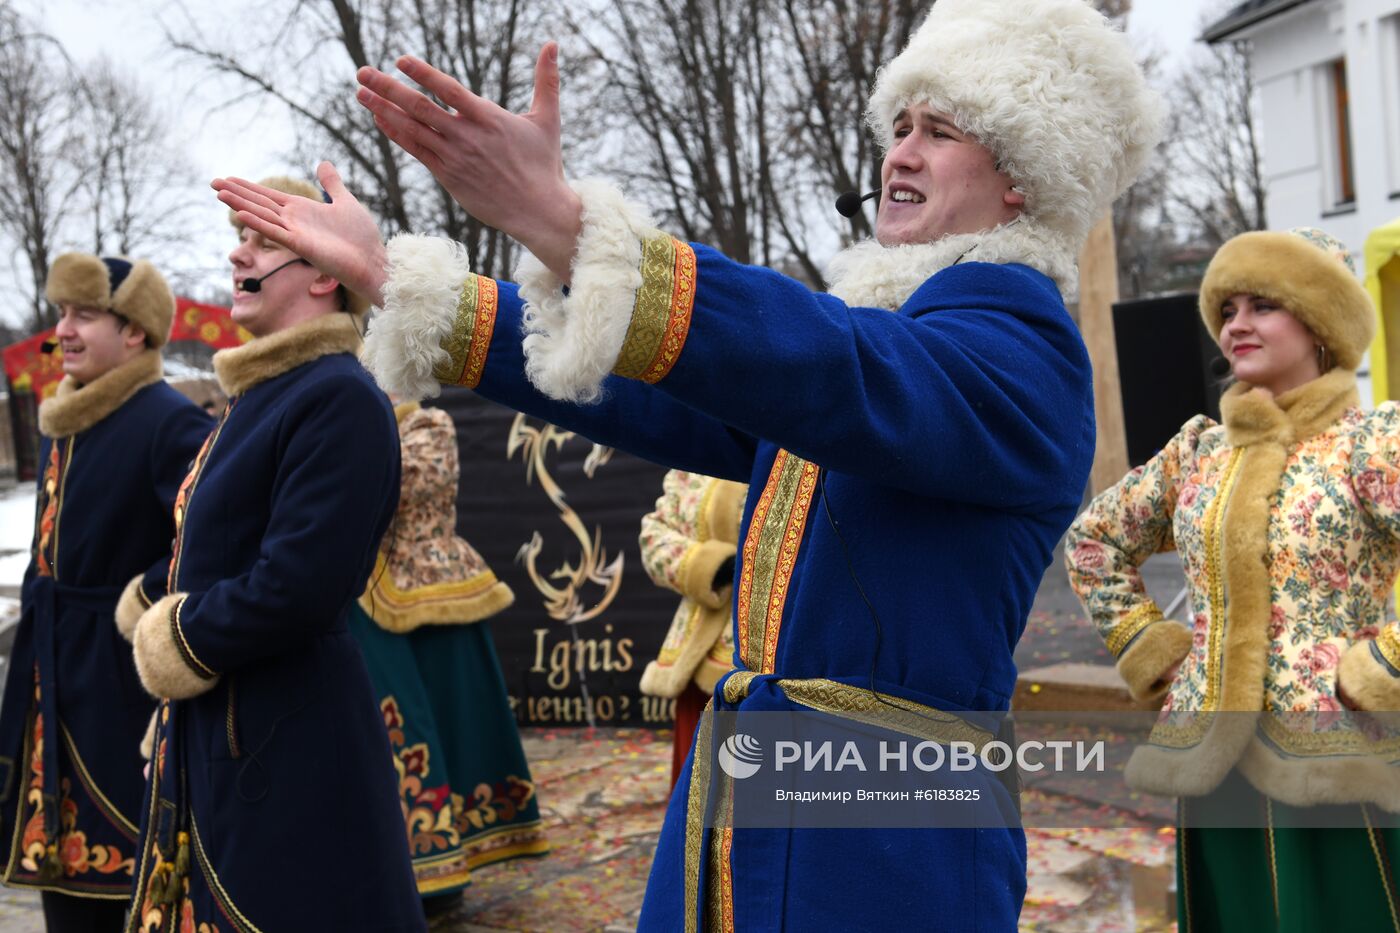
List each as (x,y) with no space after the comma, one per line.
(1050,87)
(1306,271)
(356,304)
(133,289)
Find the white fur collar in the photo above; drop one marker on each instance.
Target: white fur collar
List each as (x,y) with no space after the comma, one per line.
(867,274)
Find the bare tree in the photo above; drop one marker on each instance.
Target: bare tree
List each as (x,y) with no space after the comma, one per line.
(36,183)
(308,66)
(135,182)
(1218,183)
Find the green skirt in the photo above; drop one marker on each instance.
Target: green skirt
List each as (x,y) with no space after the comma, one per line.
(464,785)
(1282,879)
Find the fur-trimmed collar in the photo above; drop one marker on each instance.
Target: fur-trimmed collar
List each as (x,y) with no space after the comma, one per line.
(263,358)
(874,276)
(1252,417)
(77,407)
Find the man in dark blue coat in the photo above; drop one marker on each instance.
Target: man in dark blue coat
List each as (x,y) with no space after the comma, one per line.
(915,441)
(272,803)
(116,440)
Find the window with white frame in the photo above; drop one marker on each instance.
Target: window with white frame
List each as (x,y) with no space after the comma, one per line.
(1390,97)
(1336,135)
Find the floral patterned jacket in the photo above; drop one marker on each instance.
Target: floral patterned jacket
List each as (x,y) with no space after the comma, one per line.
(1287,520)
(686,543)
(425,573)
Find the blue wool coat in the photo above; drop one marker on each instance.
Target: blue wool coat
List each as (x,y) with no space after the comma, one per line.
(103,516)
(272,793)
(949,441)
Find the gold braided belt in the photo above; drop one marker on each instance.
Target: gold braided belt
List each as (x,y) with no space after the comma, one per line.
(864,706)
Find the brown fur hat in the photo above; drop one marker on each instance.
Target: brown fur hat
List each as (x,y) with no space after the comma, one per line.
(355,304)
(1307,272)
(133,289)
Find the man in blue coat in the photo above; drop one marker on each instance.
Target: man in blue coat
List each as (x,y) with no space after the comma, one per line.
(116,440)
(272,802)
(915,441)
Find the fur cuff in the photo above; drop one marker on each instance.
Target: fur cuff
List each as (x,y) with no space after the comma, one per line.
(404,345)
(160,659)
(1150,656)
(697,572)
(132,604)
(148,741)
(573,342)
(1368,679)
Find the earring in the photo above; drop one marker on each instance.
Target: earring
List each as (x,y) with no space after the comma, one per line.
(1324,358)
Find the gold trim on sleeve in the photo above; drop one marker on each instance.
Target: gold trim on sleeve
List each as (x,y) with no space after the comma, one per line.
(1128,627)
(470,339)
(662,311)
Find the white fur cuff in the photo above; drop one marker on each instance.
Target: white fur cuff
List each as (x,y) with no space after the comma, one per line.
(160,661)
(403,346)
(132,604)
(1368,681)
(572,342)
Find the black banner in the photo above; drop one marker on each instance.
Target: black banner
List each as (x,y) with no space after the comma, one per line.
(557,518)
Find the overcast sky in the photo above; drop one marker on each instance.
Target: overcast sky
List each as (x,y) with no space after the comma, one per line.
(255,141)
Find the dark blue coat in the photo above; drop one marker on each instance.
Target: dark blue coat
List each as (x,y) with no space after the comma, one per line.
(108,492)
(273,792)
(949,441)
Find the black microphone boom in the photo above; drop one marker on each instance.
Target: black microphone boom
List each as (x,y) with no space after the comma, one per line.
(848,203)
(254,286)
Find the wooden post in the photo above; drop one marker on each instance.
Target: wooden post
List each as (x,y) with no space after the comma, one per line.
(1098,290)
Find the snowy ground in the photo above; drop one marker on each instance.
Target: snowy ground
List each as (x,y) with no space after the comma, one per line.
(16,532)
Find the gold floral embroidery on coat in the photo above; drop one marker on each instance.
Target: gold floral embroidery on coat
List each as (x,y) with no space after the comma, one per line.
(661,313)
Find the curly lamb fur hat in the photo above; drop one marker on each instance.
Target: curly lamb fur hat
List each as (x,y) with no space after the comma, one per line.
(1051,87)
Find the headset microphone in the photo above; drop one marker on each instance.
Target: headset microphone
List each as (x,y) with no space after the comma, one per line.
(849,203)
(254,286)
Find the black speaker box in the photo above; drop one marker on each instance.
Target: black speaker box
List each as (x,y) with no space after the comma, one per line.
(1169,370)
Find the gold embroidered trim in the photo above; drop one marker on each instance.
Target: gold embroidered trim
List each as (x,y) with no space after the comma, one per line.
(695,817)
(1388,644)
(200,668)
(470,340)
(1382,863)
(216,887)
(1133,622)
(1215,575)
(129,829)
(1273,855)
(186,493)
(662,311)
(770,554)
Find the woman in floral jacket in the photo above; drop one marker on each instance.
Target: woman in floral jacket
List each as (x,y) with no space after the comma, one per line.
(1287,520)
(689,543)
(464,784)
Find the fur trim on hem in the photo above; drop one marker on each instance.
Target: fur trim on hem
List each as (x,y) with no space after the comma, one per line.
(404,346)
(75,407)
(160,662)
(130,607)
(572,342)
(697,573)
(697,629)
(1367,680)
(1303,782)
(241,368)
(148,740)
(1197,769)
(1149,657)
(869,275)
(463,610)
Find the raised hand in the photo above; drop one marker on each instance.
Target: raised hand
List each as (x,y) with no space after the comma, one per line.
(340,239)
(505,169)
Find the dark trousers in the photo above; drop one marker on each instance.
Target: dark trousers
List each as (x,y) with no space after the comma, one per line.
(64,913)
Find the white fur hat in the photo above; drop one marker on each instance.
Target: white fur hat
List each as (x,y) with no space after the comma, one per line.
(1051,87)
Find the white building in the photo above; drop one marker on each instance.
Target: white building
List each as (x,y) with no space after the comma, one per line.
(1328,73)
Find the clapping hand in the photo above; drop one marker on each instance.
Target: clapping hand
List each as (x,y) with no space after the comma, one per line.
(505,169)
